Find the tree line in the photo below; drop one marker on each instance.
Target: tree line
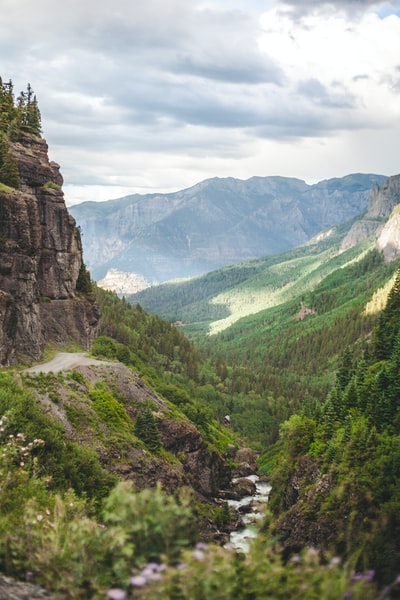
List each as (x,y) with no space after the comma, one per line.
(17,116)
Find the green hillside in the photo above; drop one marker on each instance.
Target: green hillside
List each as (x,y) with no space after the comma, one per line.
(282,323)
(333,528)
(213,302)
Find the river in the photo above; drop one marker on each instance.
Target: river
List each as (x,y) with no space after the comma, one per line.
(240,538)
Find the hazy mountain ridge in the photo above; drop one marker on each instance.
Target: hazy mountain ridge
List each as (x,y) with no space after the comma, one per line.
(217,300)
(217,222)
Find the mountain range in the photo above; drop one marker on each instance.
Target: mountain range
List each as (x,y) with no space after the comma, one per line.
(215,301)
(218,222)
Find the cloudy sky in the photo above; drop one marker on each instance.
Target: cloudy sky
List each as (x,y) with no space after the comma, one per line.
(156,95)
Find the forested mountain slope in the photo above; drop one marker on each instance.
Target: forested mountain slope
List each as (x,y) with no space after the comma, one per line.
(335,475)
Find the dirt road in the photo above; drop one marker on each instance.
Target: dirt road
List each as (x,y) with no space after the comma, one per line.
(65,361)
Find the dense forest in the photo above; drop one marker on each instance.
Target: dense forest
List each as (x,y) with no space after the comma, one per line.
(347,456)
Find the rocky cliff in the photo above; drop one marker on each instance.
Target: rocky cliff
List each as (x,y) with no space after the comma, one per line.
(382,200)
(40,260)
(388,240)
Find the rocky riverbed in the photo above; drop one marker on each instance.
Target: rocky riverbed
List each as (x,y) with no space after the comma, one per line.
(249,509)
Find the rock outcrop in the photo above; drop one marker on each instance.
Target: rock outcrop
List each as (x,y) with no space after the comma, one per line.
(382,200)
(388,240)
(195,463)
(204,469)
(40,260)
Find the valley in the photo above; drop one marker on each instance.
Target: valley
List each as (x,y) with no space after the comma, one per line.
(129,426)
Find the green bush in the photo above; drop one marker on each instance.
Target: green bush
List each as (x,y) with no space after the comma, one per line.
(110,411)
(51,185)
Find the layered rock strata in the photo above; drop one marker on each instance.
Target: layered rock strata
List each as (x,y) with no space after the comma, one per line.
(40,259)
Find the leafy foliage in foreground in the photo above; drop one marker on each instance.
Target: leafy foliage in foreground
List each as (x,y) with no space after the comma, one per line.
(141,545)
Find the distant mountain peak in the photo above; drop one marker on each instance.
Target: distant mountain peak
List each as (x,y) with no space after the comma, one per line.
(217,222)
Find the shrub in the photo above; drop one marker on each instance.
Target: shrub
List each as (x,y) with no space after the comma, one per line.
(51,185)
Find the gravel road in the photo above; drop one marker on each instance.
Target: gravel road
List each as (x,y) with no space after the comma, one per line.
(65,361)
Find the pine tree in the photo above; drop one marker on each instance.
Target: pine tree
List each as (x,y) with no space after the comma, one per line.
(7,108)
(389,323)
(83,283)
(33,117)
(9,174)
(146,429)
(346,370)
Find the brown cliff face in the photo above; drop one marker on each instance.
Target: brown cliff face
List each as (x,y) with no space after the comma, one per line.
(40,259)
(204,469)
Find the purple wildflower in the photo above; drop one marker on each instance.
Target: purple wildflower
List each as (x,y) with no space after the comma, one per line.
(201,546)
(116,594)
(138,581)
(198,554)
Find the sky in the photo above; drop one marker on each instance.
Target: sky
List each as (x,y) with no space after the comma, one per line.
(155,96)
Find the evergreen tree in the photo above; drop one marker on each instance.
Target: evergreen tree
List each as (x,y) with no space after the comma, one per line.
(83,283)
(7,108)
(32,117)
(9,174)
(345,371)
(146,429)
(389,323)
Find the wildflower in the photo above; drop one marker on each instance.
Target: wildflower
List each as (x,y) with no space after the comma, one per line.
(39,517)
(198,554)
(201,546)
(138,581)
(116,594)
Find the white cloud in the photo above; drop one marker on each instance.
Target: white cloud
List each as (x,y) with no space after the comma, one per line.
(159,95)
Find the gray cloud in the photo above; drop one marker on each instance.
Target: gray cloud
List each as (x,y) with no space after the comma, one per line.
(181,78)
(300,8)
